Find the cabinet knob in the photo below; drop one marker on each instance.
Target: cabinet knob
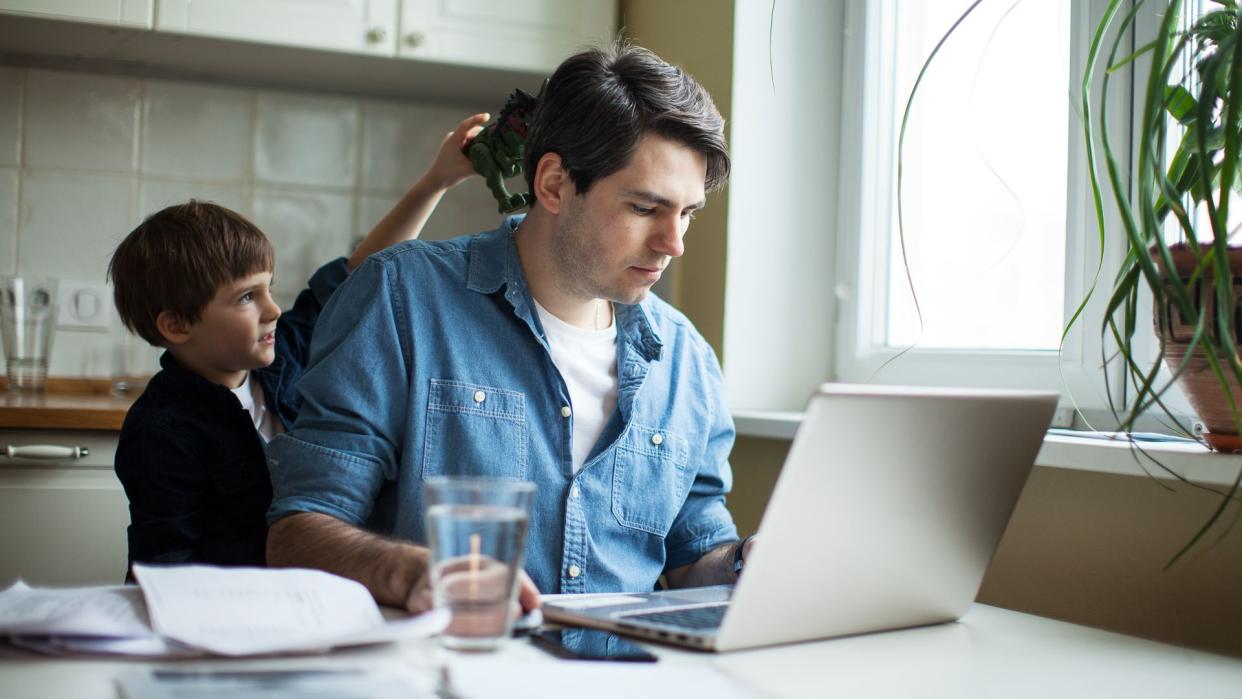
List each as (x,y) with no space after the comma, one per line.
(415,39)
(44,451)
(376,35)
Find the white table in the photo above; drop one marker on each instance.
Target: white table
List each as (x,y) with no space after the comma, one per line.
(991,652)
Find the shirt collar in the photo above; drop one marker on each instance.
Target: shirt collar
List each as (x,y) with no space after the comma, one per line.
(245,395)
(494,260)
(638,327)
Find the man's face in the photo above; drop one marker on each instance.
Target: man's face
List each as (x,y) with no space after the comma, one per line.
(236,331)
(615,241)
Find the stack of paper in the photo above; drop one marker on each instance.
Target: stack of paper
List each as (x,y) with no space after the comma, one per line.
(103,620)
(191,610)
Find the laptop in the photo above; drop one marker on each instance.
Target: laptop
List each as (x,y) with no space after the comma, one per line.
(888,509)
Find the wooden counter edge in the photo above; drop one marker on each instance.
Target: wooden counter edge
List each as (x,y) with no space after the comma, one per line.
(62,418)
(108,418)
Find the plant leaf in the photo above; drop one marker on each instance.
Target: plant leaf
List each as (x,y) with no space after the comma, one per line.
(1180,104)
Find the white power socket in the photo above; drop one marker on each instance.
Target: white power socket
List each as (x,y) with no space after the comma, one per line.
(84,306)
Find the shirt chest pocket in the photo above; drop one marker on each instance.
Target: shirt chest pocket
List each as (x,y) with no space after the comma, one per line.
(474,430)
(649,478)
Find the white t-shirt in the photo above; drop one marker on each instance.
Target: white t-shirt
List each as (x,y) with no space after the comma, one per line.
(587,360)
(252,398)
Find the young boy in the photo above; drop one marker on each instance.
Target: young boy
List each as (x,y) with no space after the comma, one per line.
(195,279)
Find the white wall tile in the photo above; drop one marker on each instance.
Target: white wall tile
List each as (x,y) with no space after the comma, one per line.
(202,142)
(102,355)
(371,208)
(70,223)
(307,229)
(10,115)
(8,220)
(156,194)
(196,130)
(81,121)
(400,140)
(306,140)
(466,209)
(85,353)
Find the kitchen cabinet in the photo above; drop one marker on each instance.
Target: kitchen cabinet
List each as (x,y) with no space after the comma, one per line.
(534,35)
(355,26)
(130,13)
(452,51)
(62,521)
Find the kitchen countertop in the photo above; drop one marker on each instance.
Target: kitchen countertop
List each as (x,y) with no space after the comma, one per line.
(68,404)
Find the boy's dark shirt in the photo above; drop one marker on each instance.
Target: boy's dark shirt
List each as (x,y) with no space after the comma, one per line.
(193,464)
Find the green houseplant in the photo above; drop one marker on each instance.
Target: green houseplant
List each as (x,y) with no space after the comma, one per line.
(1170,186)
(1173,204)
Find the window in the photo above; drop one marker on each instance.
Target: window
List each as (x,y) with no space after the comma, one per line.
(984,175)
(1000,236)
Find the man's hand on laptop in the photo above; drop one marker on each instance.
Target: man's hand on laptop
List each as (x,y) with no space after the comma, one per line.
(750,544)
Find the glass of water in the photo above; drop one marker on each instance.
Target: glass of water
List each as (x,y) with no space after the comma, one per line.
(476,529)
(27,319)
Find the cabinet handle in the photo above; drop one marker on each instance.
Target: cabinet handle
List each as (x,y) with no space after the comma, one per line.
(415,39)
(45,451)
(376,35)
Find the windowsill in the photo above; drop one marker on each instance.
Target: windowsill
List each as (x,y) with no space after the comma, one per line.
(1191,461)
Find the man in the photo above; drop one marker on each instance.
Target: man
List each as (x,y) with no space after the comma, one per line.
(533,351)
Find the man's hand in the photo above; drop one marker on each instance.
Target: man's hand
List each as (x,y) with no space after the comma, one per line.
(714,568)
(451,166)
(397,573)
(420,598)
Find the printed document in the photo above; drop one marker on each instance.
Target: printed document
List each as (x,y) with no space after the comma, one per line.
(115,611)
(252,611)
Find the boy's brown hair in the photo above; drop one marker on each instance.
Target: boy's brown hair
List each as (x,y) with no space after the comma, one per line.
(178,258)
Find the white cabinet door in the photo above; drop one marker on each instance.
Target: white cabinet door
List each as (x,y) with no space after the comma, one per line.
(356,26)
(62,521)
(533,35)
(127,12)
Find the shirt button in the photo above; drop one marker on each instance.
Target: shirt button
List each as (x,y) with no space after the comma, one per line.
(574,492)
(574,571)
(479,396)
(565,411)
(657,439)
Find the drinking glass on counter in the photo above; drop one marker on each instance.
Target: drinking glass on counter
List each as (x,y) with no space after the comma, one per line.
(476,530)
(27,319)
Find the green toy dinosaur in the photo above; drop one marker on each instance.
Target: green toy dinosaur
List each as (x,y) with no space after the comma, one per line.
(498,150)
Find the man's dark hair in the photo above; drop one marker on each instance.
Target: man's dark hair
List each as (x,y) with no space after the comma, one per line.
(178,258)
(599,103)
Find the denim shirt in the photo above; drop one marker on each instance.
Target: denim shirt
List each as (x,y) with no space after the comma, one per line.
(430,360)
(193,465)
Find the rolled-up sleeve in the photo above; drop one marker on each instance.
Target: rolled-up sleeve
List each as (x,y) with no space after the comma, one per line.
(344,445)
(704,522)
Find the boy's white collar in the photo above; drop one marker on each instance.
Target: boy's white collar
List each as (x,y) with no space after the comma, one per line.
(246,395)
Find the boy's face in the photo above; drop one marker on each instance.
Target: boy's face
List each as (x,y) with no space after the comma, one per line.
(235,332)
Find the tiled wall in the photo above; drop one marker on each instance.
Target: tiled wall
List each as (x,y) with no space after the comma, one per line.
(85,157)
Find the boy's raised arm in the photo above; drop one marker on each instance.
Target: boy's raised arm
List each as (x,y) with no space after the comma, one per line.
(406,220)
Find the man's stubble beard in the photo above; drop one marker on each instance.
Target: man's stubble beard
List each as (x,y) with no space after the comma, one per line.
(579,264)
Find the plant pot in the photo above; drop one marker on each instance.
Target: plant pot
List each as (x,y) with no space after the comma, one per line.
(1202,388)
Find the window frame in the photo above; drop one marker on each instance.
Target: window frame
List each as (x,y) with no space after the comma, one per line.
(861,284)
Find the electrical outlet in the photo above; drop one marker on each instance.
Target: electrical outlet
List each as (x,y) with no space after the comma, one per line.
(84,306)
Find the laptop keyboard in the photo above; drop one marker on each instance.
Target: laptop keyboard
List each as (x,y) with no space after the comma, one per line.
(692,618)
